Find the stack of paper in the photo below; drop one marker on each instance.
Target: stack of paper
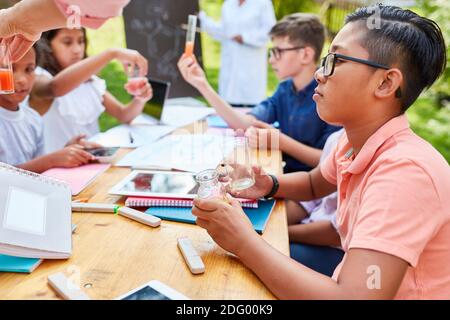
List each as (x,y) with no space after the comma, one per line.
(192,153)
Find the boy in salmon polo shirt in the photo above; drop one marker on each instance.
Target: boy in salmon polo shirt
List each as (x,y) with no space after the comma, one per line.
(393,213)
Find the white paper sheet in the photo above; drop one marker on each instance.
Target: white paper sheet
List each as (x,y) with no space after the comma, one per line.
(192,153)
(180,116)
(141,134)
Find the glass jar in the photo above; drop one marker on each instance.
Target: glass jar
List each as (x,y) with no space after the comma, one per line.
(209,185)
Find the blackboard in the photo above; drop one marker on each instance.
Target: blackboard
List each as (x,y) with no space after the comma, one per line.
(154,28)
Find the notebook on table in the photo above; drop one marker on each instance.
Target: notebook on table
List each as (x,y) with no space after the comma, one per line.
(18,264)
(175,202)
(78,178)
(216,121)
(258,217)
(35,215)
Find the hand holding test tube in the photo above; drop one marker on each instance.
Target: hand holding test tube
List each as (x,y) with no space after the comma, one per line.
(190,35)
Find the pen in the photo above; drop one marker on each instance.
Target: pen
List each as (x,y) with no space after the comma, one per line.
(151,168)
(95,207)
(131,137)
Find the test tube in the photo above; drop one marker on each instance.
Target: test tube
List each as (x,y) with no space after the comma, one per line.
(6,73)
(190,35)
(135,81)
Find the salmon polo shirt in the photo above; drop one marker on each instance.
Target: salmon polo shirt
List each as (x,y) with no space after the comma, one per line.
(394,197)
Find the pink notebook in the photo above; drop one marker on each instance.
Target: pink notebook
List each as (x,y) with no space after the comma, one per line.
(175,202)
(78,178)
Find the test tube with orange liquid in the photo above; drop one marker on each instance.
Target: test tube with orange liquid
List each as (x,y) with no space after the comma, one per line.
(6,73)
(190,35)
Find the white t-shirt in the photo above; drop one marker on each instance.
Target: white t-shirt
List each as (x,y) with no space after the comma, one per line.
(324,208)
(75,113)
(22,135)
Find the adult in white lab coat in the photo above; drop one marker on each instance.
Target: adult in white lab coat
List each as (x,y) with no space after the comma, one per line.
(243,32)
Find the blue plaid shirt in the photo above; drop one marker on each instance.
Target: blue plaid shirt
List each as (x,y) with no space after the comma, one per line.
(297,117)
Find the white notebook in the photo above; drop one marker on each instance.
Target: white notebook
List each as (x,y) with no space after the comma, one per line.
(35,215)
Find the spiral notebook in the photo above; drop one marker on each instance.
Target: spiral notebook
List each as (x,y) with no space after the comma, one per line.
(175,202)
(35,215)
(258,216)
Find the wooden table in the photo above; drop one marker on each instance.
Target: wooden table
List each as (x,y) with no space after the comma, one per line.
(112,254)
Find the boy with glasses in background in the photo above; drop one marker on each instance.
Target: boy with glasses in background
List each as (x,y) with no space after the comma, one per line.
(297,44)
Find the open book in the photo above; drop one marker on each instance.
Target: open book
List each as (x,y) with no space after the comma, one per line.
(35,215)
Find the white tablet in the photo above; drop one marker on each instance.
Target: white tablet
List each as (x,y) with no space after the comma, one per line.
(154,290)
(166,184)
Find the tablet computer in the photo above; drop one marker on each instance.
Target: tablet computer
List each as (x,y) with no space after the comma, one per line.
(154,290)
(143,183)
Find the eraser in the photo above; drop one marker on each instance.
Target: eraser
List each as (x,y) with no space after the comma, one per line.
(193,260)
(66,288)
(139,216)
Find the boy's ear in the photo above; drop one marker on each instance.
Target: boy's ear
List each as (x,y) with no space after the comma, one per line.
(309,55)
(390,84)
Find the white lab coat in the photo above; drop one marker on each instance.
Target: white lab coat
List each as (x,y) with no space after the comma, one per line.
(243,71)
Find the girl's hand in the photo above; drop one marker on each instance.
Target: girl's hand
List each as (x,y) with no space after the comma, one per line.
(130,60)
(140,88)
(191,71)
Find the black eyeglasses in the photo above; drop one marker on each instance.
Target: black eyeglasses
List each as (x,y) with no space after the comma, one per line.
(329,61)
(276,52)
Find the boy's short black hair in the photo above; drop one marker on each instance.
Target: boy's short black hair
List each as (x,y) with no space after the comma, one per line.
(395,36)
(301,29)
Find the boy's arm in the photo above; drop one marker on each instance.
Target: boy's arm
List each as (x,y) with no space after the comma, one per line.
(263,136)
(299,282)
(195,76)
(233,118)
(320,233)
(69,157)
(300,151)
(297,186)
(71,77)
(303,186)
(38,165)
(232,230)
